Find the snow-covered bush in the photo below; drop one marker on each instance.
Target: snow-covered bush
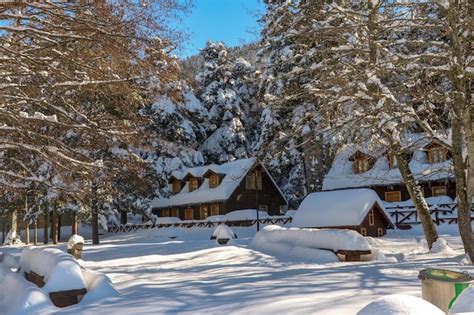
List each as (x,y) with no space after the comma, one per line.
(12,238)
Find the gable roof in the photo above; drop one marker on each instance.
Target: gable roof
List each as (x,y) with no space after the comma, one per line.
(346,207)
(234,171)
(341,174)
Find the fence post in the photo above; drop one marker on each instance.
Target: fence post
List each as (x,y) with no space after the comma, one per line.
(436,217)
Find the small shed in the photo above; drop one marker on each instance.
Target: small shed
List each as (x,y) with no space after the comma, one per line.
(360,210)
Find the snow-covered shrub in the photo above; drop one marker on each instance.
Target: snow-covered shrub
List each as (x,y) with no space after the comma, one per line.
(12,238)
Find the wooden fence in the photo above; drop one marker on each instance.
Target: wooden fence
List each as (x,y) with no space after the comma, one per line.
(441,214)
(201,224)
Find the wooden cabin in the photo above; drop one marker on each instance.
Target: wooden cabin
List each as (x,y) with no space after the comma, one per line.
(211,190)
(360,210)
(354,167)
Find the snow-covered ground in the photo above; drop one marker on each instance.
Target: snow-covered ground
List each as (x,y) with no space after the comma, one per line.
(191,273)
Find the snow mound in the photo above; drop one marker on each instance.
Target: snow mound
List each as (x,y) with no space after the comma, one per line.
(313,238)
(400,304)
(98,286)
(216,218)
(61,271)
(442,247)
(464,303)
(18,296)
(170,232)
(223,232)
(9,260)
(73,240)
(167,220)
(247,214)
(290,213)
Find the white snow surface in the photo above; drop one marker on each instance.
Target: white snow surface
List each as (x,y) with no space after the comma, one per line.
(464,304)
(341,174)
(400,304)
(331,239)
(346,207)
(234,171)
(246,214)
(193,274)
(60,270)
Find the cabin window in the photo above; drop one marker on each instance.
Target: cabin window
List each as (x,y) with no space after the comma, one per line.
(437,154)
(175,213)
(193,184)
(176,186)
(392,160)
(393,196)
(203,212)
(215,209)
(165,213)
(363,231)
(213,181)
(189,214)
(379,232)
(361,165)
(253,181)
(263,208)
(439,191)
(371,218)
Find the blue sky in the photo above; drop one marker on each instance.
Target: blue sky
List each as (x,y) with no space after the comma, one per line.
(230,21)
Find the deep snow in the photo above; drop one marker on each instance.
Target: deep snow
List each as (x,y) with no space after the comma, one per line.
(191,273)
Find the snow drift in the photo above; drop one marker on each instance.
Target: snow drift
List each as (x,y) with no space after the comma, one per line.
(18,296)
(400,304)
(464,304)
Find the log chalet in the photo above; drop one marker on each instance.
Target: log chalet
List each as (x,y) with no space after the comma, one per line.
(358,167)
(200,192)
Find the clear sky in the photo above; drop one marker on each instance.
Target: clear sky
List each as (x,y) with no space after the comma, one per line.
(230,21)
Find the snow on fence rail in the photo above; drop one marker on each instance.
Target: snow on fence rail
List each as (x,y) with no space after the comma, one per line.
(202,224)
(440,213)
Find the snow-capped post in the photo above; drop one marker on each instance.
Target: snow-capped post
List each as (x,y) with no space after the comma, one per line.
(222,234)
(75,245)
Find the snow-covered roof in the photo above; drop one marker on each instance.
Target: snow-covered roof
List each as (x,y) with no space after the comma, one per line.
(234,172)
(341,174)
(335,208)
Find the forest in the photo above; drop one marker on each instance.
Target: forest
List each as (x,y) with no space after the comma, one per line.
(97,111)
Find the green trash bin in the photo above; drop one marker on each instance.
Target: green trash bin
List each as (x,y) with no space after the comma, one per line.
(441,287)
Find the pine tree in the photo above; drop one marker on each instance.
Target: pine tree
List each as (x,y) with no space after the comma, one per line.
(222,90)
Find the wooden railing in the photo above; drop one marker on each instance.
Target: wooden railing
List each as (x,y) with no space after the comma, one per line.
(200,224)
(440,214)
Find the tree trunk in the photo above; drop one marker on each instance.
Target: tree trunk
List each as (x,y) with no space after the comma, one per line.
(416,195)
(73,223)
(463,190)
(35,232)
(54,225)
(123,217)
(45,225)
(95,215)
